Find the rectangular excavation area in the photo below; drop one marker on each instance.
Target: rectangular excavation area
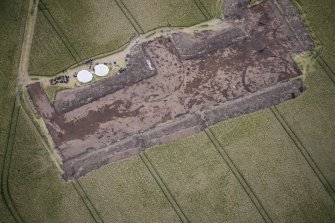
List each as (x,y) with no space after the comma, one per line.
(187,80)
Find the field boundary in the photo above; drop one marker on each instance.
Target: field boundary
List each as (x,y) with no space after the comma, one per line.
(299,145)
(216,143)
(159,180)
(62,36)
(5,191)
(87,201)
(127,13)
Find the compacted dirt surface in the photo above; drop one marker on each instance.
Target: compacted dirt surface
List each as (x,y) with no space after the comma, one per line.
(188,73)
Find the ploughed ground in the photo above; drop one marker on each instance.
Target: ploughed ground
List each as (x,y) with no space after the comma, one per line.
(188,73)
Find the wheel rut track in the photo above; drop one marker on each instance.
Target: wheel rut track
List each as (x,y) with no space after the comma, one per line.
(240,178)
(161,184)
(304,152)
(5,172)
(285,125)
(323,64)
(60,33)
(126,12)
(202,9)
(87,201)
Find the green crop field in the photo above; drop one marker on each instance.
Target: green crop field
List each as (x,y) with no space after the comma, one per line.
(151,14)
(319,16)
(10,31)
(275,169)
(213,7)
(201,181)
(69,32)
(92,27)
(311,118)
(126,190)
(48,51)
(188,179)
(85,29)
(40,194)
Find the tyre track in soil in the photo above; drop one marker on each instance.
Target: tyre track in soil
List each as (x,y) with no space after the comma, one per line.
(167,193)
(240,178)
(5,191)
(330,73)
(126,12)
(60,33)
(202,9)
(87,201)
(300,146)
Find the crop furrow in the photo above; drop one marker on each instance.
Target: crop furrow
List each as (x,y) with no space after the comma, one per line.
(329,188)
(163,187)
(326,68)
(238,175)
(87,201)
(136,25)
(202,9)
(62,36)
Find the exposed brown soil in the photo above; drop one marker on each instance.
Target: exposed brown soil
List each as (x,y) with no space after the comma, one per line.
(180,85)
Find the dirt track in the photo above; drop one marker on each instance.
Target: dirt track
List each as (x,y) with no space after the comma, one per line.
(257,58)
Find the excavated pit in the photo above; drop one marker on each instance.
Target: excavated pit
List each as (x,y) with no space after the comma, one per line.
(174,87)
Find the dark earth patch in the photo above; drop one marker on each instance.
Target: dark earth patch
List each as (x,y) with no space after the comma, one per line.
(220,77)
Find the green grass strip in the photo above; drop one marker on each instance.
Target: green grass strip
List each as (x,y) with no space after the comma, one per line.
(87,201)
(238,175)
(163,187)
(303,151)
(6,165)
